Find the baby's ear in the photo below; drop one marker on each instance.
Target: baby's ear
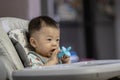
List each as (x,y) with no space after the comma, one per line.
(33,42)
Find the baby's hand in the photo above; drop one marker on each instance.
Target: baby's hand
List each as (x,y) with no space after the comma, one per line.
(54,55)
(65,54)
(54,59)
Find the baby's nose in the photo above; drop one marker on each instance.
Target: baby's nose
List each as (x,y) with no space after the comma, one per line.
(54,43)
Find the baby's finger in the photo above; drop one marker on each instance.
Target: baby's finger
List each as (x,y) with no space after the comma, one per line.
(65,56)
(56,52)
(65,59)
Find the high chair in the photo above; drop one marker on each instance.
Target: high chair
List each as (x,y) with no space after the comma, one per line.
(14,64)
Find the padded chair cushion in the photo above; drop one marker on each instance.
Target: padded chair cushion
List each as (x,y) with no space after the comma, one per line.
(19,40)
(21,52)
(20,36)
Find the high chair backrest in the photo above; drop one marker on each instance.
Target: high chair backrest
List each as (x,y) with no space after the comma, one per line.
(8,54)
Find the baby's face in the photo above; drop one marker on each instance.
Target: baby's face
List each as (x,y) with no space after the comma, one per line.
(47,41)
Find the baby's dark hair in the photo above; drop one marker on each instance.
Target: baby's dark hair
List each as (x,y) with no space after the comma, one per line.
(37,23)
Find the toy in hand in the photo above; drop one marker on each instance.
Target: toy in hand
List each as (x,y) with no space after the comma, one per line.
(64,51)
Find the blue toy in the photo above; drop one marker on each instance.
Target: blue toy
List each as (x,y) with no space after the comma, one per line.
(64,51)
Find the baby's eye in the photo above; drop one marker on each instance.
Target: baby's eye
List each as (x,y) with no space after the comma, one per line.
(49,39)
(58,40)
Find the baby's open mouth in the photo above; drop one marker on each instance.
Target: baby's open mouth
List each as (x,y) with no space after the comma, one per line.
(52,50)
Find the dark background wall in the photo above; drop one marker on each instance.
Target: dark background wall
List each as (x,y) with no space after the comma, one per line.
(26,9)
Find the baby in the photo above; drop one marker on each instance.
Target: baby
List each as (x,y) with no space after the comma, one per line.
(44,37)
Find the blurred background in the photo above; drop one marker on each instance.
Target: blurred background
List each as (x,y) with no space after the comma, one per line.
(90,27)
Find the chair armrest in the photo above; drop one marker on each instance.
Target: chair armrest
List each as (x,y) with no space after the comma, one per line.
(69,72)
